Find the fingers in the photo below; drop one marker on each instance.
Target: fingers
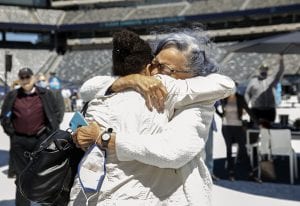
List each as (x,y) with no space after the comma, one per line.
(148,102)
(74,137)
(158,95)
(83,144)
(155,100)
(151,97)
(86,135)
(79,145)
(153,91)
(164,91)
(160,99)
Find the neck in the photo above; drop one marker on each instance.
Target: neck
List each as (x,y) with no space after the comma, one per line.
(30,91)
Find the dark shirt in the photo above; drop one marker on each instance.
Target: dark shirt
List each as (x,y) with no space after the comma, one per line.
(28,114)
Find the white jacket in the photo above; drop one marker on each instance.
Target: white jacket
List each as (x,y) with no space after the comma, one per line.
(156,161)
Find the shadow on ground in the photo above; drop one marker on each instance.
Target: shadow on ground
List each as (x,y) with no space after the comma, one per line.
(7,203)
(280,188)
(3,158)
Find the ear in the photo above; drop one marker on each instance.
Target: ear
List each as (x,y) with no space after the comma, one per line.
(148,70)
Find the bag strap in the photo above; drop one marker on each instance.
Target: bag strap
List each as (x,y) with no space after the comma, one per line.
(84,108)
(44,145)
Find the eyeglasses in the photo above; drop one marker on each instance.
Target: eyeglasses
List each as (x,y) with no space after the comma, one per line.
(166,69)
(25,77)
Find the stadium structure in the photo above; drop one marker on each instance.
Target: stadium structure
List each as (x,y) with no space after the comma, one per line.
(73,37)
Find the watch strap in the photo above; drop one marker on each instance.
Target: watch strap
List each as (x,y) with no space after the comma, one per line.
(104,143)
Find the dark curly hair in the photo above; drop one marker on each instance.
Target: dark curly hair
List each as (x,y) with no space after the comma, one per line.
(130,53)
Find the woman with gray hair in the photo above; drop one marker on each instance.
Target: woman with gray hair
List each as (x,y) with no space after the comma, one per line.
(195,47)
(163,166)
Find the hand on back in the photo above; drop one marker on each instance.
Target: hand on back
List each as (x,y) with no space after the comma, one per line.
(150,87)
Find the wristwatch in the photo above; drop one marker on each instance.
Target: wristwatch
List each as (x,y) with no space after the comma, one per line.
(105,137)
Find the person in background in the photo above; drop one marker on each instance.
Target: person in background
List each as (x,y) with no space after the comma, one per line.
(209,160)
(42,81)
(234,131)
(74,97)
(260,92)
(55,87)
(28,114)
(66,94)
(54,81)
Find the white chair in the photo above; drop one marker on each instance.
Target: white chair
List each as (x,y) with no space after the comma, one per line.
(235,151)
(250,145)
(264,147)
(265,142)
(281,145)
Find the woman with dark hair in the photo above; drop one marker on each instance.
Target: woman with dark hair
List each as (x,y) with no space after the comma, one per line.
(234,131)
(151,161)
(130,55)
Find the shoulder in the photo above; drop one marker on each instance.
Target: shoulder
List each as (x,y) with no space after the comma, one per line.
(97,85)
(99,80)
(163,77)
(8,100)
(42,90)
(11,94)
(252,81)
(169,81)
(45,92)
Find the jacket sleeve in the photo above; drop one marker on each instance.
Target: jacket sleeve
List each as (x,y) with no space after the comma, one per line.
(6,115)
(182,92)
(54,103)
(96,86)
(275,78)
(178,144)
(61,105)
(248,92)
(211,88)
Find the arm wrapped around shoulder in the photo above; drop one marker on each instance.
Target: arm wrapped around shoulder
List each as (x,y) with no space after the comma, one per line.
(210,88)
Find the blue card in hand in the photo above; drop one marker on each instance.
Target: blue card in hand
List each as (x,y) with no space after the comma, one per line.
(77,121)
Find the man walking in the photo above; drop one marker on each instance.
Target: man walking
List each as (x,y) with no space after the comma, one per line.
(27,114)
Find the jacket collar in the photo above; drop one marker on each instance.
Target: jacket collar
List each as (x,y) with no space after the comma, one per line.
(39,90)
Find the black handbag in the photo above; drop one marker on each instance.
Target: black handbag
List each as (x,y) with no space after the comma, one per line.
(51,170)
(50,173)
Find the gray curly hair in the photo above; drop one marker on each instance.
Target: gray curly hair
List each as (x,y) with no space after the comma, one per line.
(194,45)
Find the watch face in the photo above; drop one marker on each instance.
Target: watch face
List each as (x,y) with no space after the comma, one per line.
(105,136)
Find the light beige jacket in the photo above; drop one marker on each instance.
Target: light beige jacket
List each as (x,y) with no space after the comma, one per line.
(156,162)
